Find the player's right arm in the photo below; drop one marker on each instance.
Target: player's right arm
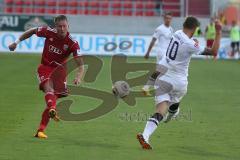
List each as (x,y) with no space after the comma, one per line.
(216,44)
(24,36)
(150,47)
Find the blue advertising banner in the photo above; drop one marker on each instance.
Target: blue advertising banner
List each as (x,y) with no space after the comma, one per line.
(102,44)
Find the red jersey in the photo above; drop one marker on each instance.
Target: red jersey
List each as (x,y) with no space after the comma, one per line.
(56,50)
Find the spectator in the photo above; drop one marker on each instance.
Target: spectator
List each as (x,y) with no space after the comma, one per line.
(235,37)
(222,19)
(210,33)
(197,32)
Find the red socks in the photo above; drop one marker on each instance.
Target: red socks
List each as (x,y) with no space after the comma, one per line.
(44,121)
(50,99)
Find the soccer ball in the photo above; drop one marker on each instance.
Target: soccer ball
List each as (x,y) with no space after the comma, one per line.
(121,89)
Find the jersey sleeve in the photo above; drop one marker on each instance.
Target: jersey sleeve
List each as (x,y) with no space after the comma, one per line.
(75,49)
(195,48)
(157,33)
(42,32)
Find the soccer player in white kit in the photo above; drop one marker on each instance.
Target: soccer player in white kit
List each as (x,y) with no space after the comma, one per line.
(162,35)
(172,85)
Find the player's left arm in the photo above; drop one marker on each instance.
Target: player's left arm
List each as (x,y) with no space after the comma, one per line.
(80,70)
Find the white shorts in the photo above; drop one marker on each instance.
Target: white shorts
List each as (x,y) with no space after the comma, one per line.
(170,89)
(159,58)
(160,54)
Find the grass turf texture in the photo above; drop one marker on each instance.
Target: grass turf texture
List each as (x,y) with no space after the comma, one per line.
(208,127)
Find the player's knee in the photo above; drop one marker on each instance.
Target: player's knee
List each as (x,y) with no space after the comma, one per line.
(47,89)
(154,75)
(173,108)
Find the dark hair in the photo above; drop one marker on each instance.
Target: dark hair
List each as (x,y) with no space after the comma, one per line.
(60,18)
(167,13)
(191,23)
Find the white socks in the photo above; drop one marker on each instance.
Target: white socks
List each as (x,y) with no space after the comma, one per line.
(151,126)
(149,129)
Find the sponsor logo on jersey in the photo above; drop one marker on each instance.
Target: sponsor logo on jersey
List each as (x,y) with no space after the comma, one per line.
(54,49)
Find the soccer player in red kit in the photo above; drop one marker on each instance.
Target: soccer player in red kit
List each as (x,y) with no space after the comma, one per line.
(51,72)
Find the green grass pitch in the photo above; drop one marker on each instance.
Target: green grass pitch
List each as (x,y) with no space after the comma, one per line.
(208,127)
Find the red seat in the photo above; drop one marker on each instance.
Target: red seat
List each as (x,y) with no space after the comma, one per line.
(104,12)
(116,5)
(39,3)
(39,10)
(171,7)
(176,14)
(18,2)
(83,11)
(8,10)
(83,3)
(171,1)
(51,11)
(116,12)
(127,5)
(94,12)
(127,12)
(139,5)
(28,10)
(93,4)
(72,11)
(73,3)
(62,11)
(149,13)
(63,3)
(150,5)
(8,2)
(27,2)
(104,4)
(51,3)
(19,9)
(139,13)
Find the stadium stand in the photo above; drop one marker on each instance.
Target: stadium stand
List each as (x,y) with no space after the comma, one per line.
(199,8)
(93,7)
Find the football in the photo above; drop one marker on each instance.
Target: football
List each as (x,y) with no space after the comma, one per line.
(121,89)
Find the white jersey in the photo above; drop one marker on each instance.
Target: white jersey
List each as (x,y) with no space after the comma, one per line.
(178,55)
(163,35)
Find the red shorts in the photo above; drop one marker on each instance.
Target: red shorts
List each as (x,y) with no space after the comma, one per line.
(210,43)
(57,76)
